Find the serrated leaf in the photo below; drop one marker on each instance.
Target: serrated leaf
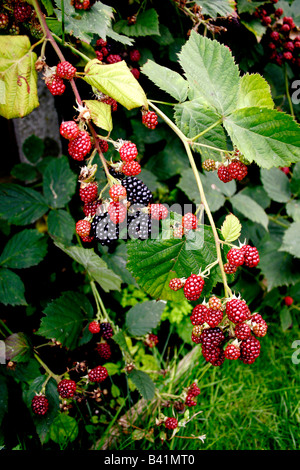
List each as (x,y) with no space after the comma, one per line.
(33,148)
(254,91)
(231,228)
(154,262)
(24,172)
(94,266)
(295,182)
(276,184)
(119,37)
(18,74)
(12,289)
(291,240)
(250,209)
(64,429)
(167,80)
(143,383)
(17,348)
(83,24)
(25,249)
(217,7)
(49,7)
(100,114)
(143,317)
(204,61)
(61,226)
(146,25)
(293,210)
(21,206)
(63,319)
(266,136)
(248,6)
(59,182)
(120,339)
(116,81)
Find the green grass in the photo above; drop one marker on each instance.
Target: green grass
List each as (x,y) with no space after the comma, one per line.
(244,407)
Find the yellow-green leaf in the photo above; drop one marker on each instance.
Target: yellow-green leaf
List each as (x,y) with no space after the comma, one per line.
(231,228)
(116,81)
(100,114)
(18,77)
(254,91)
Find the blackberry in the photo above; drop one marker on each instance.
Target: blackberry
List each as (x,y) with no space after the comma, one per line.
(106,330)
(250,350)
(137,191)
(171,423)
(242,331)
(212,337)
(213,317)
(139,225)
(66,388)
(104,230)
(98,374)
(189,401)
(116,174)
(104,351)
(39,405)
(199,313)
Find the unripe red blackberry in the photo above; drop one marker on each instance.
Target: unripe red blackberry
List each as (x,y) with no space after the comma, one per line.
(218,361)
(288,55)
(117,192)
(259,326)
(128,151)
(158,211)
(91,208)
(131,168)
(237,170)
(235,257)
(83,228)
(80,146)
(199,314)
(223,174)
(285,28)
(196,339)
(99,55)
(94,327)
(189,221)
(101,42)
(55,85)
(103,144)
(40,405)
(193,287)
(81,4)
(214,303)
(229,268)
(190,401)
(110,101)
(211,353)
(106,330)
(104,350)
(232,352)
(149,119)
(171,423)
(178,231)
(251,256)
(289,46)
(194,390)
(66,388)
(275,36)
(151,340)
(242,331)
(288,300)
(212,337)
(176,284)
(87,239)
(134,55)
(65,70)
(117,212)
(209,165)
(98,374)
(88,192)
(250,350)
(69,130)
(135,72)
(237,310)
(4,20)
(197,331)
(278,13)
(214,317)
(22,11)
(113,58)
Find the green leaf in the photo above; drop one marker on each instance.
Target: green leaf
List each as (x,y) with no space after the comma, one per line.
(154,262)
(23,250)
(94,266)
(18,74)
(3,397)
(276,184)
(21,206)
(256,27)
(61,226)
(83,24)
(33,148)
(112,368)
(231,228)
(293,210)
(291,240)
(12,289)
(59,182)
(117,262)
(258,194)
(217,7)
(100,114)
(169,162)
(116,81)
(167,80)
(254,91)
(143,317)
(192,118)
(49,7)
(143,383)
(266,136)
(248,6)
(119,37)
(250,209)
(295,182)
(146,25)
(54,25)
(17,348)
(24,172)
(64,318)
(285,318)
(204,62)
(64,429)
(120,339)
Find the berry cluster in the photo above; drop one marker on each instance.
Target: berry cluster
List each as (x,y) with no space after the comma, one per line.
(232,169)
(54,77)
(18,17)
(245,255)
(192,392)
(151,340)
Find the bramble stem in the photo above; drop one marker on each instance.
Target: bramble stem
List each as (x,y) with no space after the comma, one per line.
(185,142)
(49,372)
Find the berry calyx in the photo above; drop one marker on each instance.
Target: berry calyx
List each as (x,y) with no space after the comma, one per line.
(193,287)
(83,228)
(66,388)
(69,130)
(65,70)
(235,257)
(131,168)
(117,192)
(189,221)
(80,146)
(40,405)
(94,327)
(88,192)
(171,423)
(158,211)
(176,284)
(98,374)
(149,119)
(128,151)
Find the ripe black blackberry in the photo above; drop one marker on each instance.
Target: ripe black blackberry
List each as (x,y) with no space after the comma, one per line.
(139,225)
(116,174)
(104,230)
(137,191)
(106,330)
